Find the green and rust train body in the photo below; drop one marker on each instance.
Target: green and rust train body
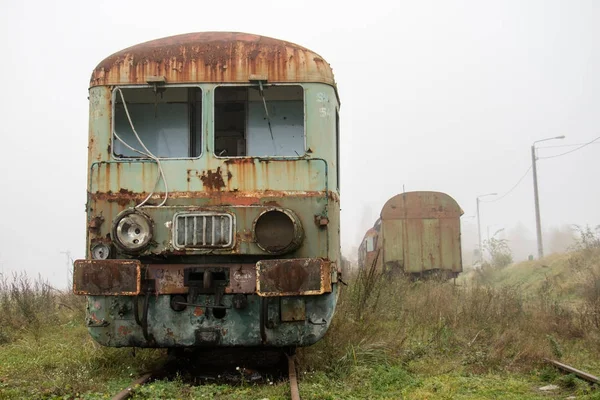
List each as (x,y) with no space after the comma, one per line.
(218,225)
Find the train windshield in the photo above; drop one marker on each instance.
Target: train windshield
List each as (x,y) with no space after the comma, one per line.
(167,120)
(254,122)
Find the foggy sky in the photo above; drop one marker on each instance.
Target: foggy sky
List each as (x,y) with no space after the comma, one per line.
(444,95)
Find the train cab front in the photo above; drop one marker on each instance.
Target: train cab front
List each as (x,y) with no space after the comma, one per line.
(220,281)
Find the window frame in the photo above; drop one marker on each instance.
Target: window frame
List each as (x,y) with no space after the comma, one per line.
(213,108)
(112,121)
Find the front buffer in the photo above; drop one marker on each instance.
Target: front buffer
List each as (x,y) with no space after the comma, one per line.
(273,303)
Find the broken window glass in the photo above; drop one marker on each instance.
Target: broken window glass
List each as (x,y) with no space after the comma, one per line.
(168,122)
(242,123)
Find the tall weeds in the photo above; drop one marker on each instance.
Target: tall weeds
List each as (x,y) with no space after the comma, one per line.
(27,305)
(478,327)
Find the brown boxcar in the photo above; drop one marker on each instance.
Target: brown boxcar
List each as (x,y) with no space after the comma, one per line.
(418,233)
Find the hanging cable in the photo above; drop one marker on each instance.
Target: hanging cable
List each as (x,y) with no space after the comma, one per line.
(563,145)
(262,94)
(570,151)
(147,154)
(510,191)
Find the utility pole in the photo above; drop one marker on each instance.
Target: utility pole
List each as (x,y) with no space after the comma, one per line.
(536,198)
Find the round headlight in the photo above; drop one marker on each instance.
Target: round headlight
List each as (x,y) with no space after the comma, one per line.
(132,231)
(278,231)
(100,251)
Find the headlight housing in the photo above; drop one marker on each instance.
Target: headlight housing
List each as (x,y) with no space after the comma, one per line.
(278,231)
(132,231)
(100,251)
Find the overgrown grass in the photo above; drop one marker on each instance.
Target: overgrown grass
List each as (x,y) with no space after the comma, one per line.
(391,338)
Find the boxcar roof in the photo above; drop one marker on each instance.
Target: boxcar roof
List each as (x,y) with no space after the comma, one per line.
(228,57)
(421,205)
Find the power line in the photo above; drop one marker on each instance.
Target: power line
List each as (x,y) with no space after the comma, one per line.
(511,189)
(570,151)
(563,145)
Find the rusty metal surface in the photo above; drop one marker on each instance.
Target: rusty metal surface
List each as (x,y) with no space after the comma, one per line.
(107,277)
(213,57)
(421,205)
(292,277)
(169,278)
(420,232)
(293,309)
(242,279)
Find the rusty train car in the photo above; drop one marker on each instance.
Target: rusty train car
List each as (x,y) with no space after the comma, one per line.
(417,234)
(213,194)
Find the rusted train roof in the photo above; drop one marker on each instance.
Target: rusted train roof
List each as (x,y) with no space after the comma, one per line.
(421,205)
(213,57)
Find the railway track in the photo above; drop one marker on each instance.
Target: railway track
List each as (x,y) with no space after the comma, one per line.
(200,368)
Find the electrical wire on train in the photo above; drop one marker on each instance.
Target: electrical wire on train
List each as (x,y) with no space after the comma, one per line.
(147,154)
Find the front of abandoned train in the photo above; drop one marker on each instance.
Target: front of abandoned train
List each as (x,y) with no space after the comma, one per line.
(213,194)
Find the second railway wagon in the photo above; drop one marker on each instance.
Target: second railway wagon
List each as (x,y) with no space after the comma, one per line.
(418,233)
(213,194)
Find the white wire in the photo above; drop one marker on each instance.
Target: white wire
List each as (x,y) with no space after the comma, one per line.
(570,151)
(147,153)
(511,189)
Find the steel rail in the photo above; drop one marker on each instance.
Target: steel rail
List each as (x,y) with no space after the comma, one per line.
(127,392)
(581,374)
(295,393)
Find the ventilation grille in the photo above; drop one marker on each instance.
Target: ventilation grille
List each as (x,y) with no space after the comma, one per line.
(203,230)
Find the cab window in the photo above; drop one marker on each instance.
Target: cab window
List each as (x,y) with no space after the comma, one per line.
(253,122)
(168,121)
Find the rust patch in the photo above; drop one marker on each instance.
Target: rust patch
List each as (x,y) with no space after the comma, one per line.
(212,180)
(198,311)
(124,330)
(107,277)
(125,192)
(242,279)
(293,277)
(95,223)
(213,57)
(250,197)
(272,203)
(292,309)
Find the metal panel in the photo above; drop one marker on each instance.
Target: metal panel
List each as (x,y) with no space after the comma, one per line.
(292,309)
(292,277)
(414,246)
(430,244)
(393,245)
(450,245)
(107,277)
